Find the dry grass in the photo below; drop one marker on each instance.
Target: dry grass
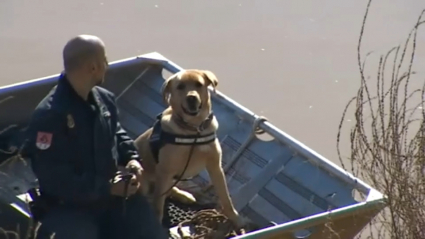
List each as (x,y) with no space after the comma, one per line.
(388,139)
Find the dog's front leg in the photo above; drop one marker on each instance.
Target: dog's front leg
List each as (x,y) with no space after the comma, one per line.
(163,184)
(218,179)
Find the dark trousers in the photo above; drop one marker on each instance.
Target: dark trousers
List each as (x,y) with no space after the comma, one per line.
(138,222)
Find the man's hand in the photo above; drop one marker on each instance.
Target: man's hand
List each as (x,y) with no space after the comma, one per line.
(135,168)
(119,184)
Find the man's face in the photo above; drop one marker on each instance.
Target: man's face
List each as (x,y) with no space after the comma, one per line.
(101,65)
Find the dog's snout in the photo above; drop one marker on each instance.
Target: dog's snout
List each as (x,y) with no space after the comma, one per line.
(191,99)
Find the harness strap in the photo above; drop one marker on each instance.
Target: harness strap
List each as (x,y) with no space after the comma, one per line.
(155,141)
(159,137)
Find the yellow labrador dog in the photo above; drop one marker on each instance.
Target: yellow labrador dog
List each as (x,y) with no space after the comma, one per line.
(183,142)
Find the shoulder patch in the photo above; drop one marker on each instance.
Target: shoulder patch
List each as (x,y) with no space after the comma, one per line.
(44,140)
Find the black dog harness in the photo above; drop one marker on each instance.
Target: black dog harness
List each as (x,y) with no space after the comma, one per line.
(159,137)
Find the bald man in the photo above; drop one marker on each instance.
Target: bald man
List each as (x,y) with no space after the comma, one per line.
(82,156)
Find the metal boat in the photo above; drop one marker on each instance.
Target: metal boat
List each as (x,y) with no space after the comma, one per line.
(280,184)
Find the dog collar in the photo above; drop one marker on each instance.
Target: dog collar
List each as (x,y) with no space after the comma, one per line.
(204,125)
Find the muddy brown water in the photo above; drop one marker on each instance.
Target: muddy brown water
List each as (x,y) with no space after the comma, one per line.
(294,62)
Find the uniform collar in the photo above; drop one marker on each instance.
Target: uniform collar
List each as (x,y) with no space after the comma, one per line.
(66,85)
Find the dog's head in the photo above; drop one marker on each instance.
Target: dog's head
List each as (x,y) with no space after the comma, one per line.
(187,92)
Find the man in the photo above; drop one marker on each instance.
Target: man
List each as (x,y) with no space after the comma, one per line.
(79,153)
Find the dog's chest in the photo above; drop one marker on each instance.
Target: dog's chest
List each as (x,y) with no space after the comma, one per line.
(203,152)
(198,159)
(204,148)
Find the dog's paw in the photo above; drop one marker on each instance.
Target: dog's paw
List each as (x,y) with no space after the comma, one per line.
(183,196)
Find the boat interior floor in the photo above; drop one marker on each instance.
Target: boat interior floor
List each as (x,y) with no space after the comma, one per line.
(177,212)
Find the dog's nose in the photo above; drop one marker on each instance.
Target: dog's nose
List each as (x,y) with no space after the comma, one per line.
(191,99)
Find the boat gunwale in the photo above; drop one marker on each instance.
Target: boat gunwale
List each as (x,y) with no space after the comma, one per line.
(374,198)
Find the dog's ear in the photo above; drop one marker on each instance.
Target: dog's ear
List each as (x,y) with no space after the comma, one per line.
(166,89)
(210,77)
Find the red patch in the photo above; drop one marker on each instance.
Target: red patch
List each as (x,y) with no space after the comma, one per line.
(44,140)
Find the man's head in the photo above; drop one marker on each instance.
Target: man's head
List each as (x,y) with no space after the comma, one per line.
(85,55)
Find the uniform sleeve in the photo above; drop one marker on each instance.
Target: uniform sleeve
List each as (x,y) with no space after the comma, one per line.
(47,147)
(125,145)
(126,149)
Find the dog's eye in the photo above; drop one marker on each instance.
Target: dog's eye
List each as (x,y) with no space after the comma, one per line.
(180,87)
(198,84)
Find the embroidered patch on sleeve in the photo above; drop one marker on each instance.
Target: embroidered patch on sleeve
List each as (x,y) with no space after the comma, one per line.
(44,140)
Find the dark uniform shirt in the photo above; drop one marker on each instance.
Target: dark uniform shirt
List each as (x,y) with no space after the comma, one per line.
(75,145)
